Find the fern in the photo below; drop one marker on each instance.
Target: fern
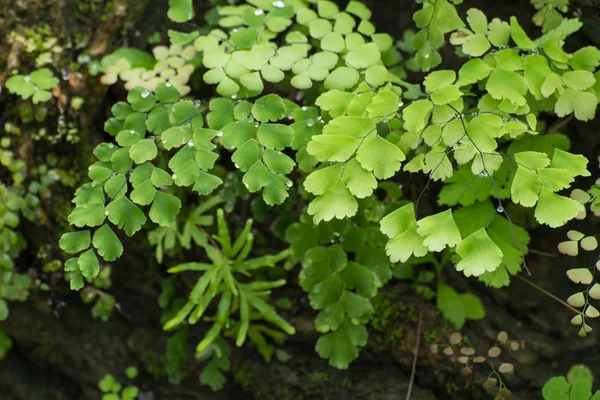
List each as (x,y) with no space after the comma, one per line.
(477,136)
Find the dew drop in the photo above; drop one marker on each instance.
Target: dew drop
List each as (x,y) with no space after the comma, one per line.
(106,212)
(93,185)
(168,84)
(278,4)
(289,183)
(426,55)
(236,165)
(164,141)
(191,143)
(256,124)
(258,12)
(485,174)
(27,78)
(400,104)
(174,176)
(65,75)
(110,146)
(304,108)
(132,131)
(500,209)
(234,96)
(279,153)
(310,122)
(220,134)
(145,93)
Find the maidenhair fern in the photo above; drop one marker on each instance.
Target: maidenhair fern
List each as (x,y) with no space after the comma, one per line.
(352,128)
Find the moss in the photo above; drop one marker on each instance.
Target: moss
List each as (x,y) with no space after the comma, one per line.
(431,335)
(154,363)
(390,314)
(251,382)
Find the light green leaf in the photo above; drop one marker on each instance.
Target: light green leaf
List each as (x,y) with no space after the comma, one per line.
(555,210)
(478,254)
(439,231)
(275,136)
(576,164)
(180,10)
(416,115)
(380,156)
(335,202)
(519,36)
(582,104)
(525,187)
(269,108)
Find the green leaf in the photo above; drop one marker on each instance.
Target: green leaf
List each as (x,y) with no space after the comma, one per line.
(555,210)
(519,36)
(416,115)
(476,45)
(141,99)
(88,264)
(578,80)
(582,104)
(275,136)
(451,305)
(536,70)
(269,108)
(439,79)
(144,150)
(74,242)
(256,177)
(237,133)
(576,164)
(144,193)
(509,85)
(364,56)
(380,156)
(275,189)
(556,388)
(342,78)
(499,32)
(43,78)
(384,104)
(359,181)
(477,21)
(438,231)
(473,306)
(90,214)
(445,95)
(341,346)
(126,215)
(525,187)
(107,243)
(180,10)
(335,202)
(167,93)
(246,155)
(587,59)
(165,208)
(478,254)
